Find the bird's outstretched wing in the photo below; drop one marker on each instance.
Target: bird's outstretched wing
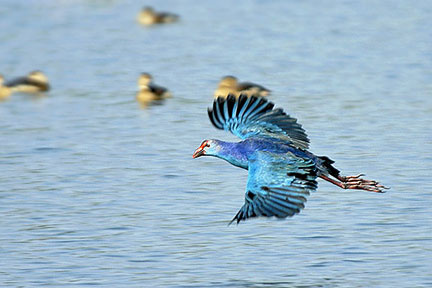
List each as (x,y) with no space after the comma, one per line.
(278,185)
(251,116)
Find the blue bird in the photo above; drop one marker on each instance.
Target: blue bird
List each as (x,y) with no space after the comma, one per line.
(282,173)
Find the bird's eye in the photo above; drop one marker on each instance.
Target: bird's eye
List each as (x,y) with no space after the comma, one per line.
(207,145)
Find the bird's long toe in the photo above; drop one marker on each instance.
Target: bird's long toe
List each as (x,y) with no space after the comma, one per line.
(356,182)
(362,181)
(375,187)
(351,178)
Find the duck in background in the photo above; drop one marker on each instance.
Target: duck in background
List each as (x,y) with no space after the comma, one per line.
(230,85)
(149,92)
(34,82)
(148,17)
(4,90)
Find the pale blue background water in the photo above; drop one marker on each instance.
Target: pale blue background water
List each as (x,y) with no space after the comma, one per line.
(95,191)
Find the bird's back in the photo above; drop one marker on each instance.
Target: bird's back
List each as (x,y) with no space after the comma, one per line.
(27,85)
(272,145)
(282,148)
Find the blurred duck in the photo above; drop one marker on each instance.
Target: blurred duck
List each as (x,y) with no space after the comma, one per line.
(149,92)
(148,16)
(4,90)
(230,85)
(34,82)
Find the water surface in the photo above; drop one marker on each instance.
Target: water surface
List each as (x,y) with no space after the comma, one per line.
(96,191)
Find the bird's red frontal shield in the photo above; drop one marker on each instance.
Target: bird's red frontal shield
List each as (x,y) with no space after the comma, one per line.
(200,150)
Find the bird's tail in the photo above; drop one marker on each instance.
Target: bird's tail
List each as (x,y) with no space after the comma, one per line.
(326,166)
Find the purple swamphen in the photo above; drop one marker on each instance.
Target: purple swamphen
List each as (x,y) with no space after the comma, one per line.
(282,172)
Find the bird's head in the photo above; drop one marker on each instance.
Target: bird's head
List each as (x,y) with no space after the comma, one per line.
(207,148)
(144,80)
(228,81)
(38,76)
(148,9)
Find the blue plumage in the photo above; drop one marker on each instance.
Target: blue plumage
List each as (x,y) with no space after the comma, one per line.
(282,173)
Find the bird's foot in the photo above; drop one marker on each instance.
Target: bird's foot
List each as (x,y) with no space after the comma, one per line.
(356,182)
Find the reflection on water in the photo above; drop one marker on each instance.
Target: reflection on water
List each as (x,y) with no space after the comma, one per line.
(96,191)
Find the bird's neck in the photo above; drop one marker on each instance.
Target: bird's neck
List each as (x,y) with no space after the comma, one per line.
(232,153)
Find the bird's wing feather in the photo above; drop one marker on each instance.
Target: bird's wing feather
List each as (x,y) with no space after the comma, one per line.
(252,116)
(158,90)
(278,185)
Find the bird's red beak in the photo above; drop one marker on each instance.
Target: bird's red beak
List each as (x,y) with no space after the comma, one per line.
(199,151)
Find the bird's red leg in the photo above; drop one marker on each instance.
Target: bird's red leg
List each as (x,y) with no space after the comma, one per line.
(355,182)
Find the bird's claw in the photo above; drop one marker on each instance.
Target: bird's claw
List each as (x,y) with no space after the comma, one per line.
(356,182)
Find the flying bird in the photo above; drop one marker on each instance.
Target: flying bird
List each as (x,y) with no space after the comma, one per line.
(281,171)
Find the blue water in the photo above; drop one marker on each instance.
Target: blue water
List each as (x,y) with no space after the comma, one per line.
(96,191)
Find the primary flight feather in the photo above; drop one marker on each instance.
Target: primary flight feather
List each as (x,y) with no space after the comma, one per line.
(282,173)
